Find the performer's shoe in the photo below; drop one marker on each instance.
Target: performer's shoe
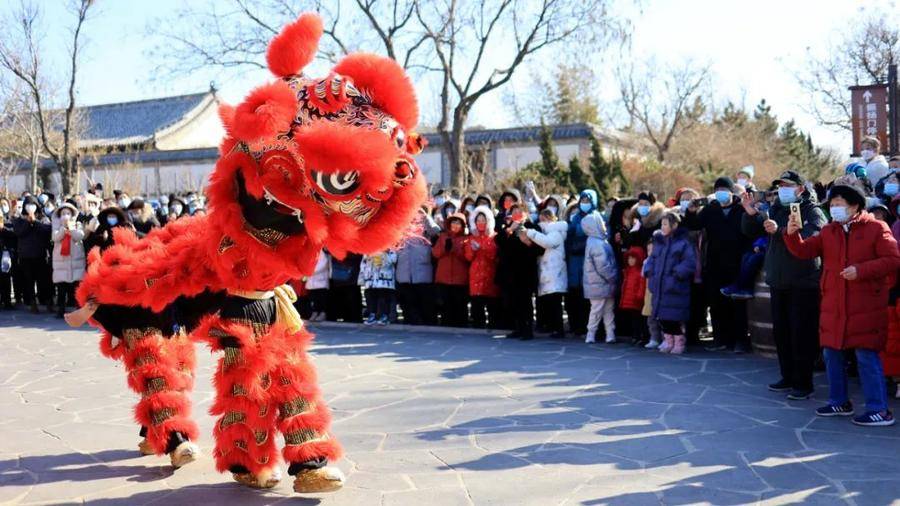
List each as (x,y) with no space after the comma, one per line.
(184,454)
(313,481)
(145,448)
(265,479)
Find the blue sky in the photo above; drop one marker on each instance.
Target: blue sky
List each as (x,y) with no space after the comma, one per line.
(754,48)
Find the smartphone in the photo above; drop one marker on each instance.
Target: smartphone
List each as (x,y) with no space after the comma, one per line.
(702,201)
(795,210)
(759,196)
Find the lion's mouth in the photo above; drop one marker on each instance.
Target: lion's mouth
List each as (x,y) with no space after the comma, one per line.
(269,212)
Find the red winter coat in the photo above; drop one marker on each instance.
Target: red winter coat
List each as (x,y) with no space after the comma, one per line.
(483,268)
(633,283)
(890,357)
(452,265)
(853,313)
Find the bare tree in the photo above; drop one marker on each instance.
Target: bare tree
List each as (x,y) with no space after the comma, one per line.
(20,137)
(663,103)
(21,55)
(463,32)
(861,57)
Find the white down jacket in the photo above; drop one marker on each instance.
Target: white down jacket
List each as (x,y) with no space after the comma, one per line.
(553,277)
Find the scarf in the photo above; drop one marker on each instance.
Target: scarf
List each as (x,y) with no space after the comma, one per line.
(65,247)
(285,312)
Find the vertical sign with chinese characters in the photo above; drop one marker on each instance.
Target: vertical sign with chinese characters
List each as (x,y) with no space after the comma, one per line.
(870,114)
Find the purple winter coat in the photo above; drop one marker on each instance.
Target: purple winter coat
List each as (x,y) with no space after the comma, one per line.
(670,272)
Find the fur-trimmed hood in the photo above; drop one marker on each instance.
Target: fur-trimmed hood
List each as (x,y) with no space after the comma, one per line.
(657,211)
(560,205)
(488,214)
(593,226)
(455,216)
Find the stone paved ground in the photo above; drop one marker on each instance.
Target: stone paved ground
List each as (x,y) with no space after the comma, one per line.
(437,418)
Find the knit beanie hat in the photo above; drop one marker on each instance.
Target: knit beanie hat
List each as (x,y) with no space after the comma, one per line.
(749,170)
(853,195)
(724,182)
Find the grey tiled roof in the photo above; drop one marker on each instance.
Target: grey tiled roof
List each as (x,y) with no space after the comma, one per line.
(518,134)
(135,122)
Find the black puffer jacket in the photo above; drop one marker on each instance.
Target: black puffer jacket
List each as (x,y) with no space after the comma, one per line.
(517,267)
(784,270)
(33,238)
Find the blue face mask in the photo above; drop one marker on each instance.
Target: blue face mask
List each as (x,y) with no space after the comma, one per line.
(643,210)
(723,196)
(112,220)
(891,189)
(839,213)
(585,207)
(684,205)
(787,195)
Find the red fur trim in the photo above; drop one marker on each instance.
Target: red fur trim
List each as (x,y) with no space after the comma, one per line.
(107,349)
(329,449)
(267,111)
(158,435)
(385,81)
(226,116)
(228,454)
(319,420)
(292,49)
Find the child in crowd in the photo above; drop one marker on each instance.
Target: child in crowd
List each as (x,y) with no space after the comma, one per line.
(317,288)
(376,275)
(452,272)
(552,271)
(600,278)
(481,252)
(631,301)
(670,272)
(751,263)
(647,311)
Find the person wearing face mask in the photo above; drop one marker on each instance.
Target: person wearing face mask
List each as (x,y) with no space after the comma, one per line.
(552,269)
(415,274)
(517,273)
(177,209)
(745,178)
(5,208)
(577,307)
(648,213)
(507,200)
(888,187)
(122,199)
(108,220)
(142,216)
(467,205)
(68,256)
(726,244)
(793,282)
(876,165)
(860,259)
(452,271)
(33,238)
(481,251)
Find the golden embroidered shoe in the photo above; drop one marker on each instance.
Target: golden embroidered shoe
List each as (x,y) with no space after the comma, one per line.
(265,479)
(145,448)
(326,479)
(184,454)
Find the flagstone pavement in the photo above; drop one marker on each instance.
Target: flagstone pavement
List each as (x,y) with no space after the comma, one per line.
(434,417)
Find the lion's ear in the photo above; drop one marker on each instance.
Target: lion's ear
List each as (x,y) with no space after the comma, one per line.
(385,81)
(292,49)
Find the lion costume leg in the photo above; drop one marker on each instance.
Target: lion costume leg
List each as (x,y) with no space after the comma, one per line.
(161,370)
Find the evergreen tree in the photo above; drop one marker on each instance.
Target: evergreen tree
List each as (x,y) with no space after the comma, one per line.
(765,119)
(578,178)
(619,175)
(551,169)
(600,169)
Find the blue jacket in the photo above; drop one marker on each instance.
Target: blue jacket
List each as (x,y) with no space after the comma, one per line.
(576,240)
(669,272)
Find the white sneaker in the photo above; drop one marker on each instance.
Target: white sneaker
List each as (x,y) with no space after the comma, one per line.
(589,339)
(652,345)
(611,340)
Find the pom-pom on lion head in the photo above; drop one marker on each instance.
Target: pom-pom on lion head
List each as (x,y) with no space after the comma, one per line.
(319,162)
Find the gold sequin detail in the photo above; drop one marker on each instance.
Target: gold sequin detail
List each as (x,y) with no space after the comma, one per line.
(162,415)
(263,410)
(267,236)
(231,418)
(240,444)
(225,244)
(144,360)
(261,436)
(284,381)
(131,336)
(238,390)
(155,385)
(301,436)
(294,408)
(232,356)
(264,381)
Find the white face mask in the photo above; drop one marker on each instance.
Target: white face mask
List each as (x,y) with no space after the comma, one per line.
(176,209)
(743,181)
(30,208)
(65,216)
(4,208)
(124,201)
(867,154)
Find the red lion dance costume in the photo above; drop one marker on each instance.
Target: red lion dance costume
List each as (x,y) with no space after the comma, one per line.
(306,164)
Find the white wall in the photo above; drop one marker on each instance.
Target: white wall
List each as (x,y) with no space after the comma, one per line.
(429,162)
(204,131)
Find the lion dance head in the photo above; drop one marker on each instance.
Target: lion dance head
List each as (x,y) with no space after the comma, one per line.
(320,162)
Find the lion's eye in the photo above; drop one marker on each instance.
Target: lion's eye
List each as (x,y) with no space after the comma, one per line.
(400,138)
(337,183)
